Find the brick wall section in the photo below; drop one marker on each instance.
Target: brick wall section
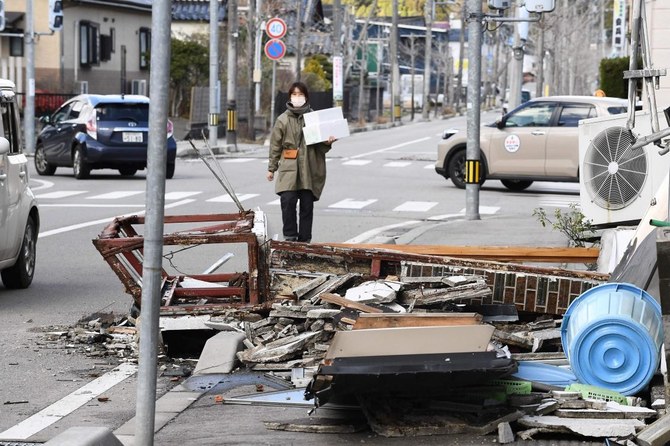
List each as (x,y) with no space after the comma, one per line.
(531,292)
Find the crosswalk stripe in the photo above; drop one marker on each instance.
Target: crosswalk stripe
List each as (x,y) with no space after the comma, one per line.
(237,160)
(356,162)
(180,195)
(116,195)
(276,202)
(228,199)
(429,166)
(415,206)
(349,203)
(61,194)
(397,164)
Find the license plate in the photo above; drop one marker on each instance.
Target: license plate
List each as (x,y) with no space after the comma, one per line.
(132,137)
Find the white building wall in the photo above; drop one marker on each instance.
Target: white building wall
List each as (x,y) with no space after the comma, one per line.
(658,20)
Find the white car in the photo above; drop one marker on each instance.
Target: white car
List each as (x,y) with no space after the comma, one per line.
(19,215)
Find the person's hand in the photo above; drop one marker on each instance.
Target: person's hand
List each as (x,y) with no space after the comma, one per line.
(270,176)
(331,139)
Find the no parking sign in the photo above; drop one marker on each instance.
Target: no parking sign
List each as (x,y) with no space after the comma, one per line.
(275,49)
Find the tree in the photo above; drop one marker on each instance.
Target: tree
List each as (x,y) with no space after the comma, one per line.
(189,67)
(316,75)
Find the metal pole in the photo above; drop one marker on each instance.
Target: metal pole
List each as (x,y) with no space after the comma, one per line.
(231,118)
(517,63)
(272,97)
(257,58)
(153,238)
(395,69)
(337,48)
(29,112)
(411,56)
(472,163)
(298,43)
(214,95)
(428,14)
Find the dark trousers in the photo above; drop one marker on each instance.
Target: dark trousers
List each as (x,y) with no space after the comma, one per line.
(294,228)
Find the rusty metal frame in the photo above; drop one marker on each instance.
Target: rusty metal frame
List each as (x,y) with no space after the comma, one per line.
(121,246)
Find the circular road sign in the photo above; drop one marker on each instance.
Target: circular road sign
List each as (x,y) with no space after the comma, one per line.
(275,28)
(275,49)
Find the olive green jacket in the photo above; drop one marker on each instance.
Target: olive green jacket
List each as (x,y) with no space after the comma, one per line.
(308,170)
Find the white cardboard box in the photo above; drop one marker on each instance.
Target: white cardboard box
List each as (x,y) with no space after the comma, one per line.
(321,131)
(319,116)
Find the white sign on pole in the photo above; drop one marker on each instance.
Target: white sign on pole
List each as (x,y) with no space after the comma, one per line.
(275,28)
(338,85)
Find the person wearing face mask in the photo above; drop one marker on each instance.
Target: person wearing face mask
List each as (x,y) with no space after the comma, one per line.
(300,169)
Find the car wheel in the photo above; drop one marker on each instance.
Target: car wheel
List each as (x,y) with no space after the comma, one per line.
(127,171)
(516,184)
(456,170)
(169,171)
(79,165)
(42,166)
(21,274)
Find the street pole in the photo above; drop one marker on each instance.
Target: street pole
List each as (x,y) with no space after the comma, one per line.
(472,163)
(272,97)
(29,112)
(257,59)
(461,49)
(516,78)
(153,238)
(395,69)
(214,95)
(428,14)
(298,44)
(231,117)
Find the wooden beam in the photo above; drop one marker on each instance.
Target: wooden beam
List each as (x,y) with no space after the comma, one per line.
(549,254)
(341,301)
(366,321)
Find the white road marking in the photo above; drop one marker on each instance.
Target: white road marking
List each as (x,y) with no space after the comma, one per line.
(415,206)
(276,202)
(60,409)
(180,195)
(349,203)
(362,238)
(356,162)
(101,221)
(429,166)
(81,205)
(486,210)
(116,195)
(61,194)
(228,199)
(560,202)
(398,164)
(389,148)
(237,160)
(44,184)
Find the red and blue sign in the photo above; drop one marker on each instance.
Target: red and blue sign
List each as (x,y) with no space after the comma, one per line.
(275,49)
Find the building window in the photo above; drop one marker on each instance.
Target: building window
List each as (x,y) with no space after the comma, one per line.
(16,46)
(145,47)
(89,43)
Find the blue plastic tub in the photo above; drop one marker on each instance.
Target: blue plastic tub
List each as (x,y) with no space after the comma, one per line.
(612,336)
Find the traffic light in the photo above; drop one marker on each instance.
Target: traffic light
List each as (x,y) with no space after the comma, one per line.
(55,15)
(2,15)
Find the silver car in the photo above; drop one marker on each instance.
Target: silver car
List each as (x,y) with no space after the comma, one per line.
(537,141)
(19,215)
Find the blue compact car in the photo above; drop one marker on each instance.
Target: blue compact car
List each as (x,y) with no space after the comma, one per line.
(93,131)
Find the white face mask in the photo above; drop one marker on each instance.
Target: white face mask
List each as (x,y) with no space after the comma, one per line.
(298,101)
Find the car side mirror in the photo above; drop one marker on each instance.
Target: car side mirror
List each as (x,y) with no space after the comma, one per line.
(46,119)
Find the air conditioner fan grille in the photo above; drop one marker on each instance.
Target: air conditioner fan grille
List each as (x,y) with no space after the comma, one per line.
(613,173)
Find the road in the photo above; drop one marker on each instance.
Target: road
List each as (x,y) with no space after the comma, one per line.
(379,183)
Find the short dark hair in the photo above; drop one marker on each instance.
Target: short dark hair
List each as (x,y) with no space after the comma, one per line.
(301,87)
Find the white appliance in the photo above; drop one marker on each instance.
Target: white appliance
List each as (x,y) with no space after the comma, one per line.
(617,184)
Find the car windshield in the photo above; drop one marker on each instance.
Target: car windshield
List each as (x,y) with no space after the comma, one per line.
(617,110)
(123,112)
(535,115)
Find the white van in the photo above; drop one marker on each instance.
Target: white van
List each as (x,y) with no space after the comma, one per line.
(19,215)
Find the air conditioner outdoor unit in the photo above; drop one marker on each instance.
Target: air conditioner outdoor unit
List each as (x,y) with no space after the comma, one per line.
(83,87)
(139,86)
(617,184)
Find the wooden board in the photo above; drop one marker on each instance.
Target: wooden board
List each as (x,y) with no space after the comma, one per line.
(416,320)
(341,301)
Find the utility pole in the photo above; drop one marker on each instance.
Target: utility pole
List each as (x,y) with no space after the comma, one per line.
(257,77)
(412,37)
(214,91)
(231,118)
(337,53)
(472,162)
(428,15)
(29,113)
(395,69)
(461,50)
(516,78)
(153,238)
(298,45)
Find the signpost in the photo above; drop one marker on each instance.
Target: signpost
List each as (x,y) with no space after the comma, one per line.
(275,49)
(275,28)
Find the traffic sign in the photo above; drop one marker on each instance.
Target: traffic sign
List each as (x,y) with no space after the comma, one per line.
(275,49)
(275,28)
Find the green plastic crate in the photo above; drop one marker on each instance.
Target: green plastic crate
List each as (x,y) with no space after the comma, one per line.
(514,387)
(598,393)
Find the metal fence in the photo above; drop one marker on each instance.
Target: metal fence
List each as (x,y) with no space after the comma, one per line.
(45,103)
